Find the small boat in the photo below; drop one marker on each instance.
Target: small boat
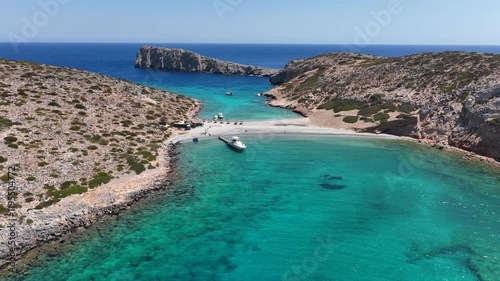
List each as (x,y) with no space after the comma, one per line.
(216,118)
(220,115)
(236,144)
(259,94)
(195,139)
(229,94)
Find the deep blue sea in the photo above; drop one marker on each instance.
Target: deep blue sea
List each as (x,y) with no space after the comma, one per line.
(289,208)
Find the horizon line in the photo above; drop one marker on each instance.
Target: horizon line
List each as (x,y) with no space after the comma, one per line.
(243,43)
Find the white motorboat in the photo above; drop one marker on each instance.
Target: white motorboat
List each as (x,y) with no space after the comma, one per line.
(229,94)
(236,143)
(220,115)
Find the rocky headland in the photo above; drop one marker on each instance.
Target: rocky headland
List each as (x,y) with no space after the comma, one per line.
(187,61)
(448,99)
(79,146)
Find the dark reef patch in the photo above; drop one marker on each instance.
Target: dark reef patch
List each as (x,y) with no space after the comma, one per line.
(331,186)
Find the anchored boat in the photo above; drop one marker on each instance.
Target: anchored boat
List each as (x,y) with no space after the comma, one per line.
(234,143)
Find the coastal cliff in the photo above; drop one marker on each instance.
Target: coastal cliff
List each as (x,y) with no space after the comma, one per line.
(449,98)
(182,60)
(79,146)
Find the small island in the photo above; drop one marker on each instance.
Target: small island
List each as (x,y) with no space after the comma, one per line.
(187,61)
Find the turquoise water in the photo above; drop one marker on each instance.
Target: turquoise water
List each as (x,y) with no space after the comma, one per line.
(301,208)
(211,90)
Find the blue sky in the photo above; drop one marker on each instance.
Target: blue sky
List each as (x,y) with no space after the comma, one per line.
(469,22)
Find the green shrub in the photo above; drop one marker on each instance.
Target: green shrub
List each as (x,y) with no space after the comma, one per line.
(4,178)
(43,164)
(147,155)
(80,106)
(404,116)
(13,145)
(351,119)
(68,184)
(135,164)
(406,108)
(47,203)
(381,117)
(73,189)
(31,178)
(10,139)
(126,123)
(98,139)
(29,221)
(3,159)
(4,122)
(389,106)
(53,103)
(376,99)
(100,179)
(3,210)
(369,110)
(92,147)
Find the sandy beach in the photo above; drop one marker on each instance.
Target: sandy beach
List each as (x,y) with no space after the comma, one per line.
(302,126)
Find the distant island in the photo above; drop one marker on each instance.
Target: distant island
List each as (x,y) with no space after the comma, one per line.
(448,98)
(187,61)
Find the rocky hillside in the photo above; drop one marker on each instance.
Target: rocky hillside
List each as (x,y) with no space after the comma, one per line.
(451,98)
(182,60)
(68,132)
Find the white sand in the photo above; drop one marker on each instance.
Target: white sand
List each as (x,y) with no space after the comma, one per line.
(301,126)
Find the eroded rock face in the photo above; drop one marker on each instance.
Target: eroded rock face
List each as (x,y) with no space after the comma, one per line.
(182,60)
(456,95)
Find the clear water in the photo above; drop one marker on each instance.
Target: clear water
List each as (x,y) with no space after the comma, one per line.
(297,208)
(291,208)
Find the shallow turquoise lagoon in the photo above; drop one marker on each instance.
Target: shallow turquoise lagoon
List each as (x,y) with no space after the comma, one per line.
(211,89)
(301,208)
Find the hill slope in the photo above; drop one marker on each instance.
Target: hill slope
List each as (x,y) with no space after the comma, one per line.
(68,132)
(450,97)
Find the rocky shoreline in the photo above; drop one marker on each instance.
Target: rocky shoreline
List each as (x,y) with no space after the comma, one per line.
(449,98)
(73,218)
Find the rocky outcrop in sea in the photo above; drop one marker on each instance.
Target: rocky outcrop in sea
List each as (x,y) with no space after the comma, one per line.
(187,61)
